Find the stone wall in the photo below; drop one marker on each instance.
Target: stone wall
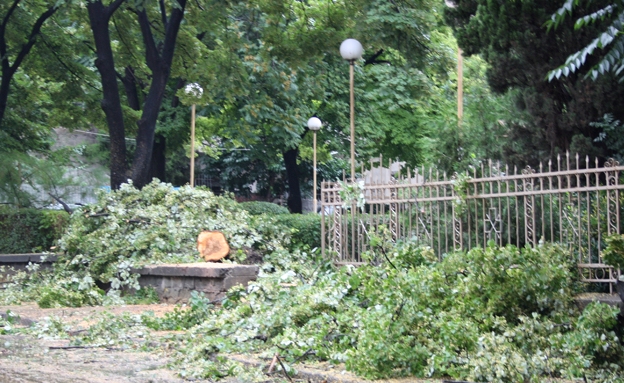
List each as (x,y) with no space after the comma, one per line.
(13,263)
(175,282)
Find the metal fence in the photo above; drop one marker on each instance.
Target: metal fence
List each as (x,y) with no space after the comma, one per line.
(572,201)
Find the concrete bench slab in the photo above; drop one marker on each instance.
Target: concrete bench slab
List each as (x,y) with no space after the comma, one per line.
(175,282)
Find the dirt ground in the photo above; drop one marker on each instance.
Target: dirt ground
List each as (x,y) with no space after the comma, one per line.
(28,359)
(25,359)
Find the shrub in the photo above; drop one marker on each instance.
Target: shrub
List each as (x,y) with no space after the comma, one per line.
(494,314)
(30,230)
(128,228)
(305,229)
(613,255)
(261,207)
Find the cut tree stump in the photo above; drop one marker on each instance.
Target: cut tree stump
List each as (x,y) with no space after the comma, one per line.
(212,246)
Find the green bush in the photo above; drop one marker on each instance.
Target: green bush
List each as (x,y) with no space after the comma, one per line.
(305,229)
(261,207)
(493,314)
(613,255)
(128,228)
(30,230)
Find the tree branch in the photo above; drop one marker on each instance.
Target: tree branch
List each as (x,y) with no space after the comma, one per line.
(112,7)
(36,29)
(172,28)
(163,12)
(3,48)
(71,71)
(373,59)
(151,52)
(5,21)
(66,207)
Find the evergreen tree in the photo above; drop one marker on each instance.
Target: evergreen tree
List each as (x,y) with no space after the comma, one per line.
(520,50)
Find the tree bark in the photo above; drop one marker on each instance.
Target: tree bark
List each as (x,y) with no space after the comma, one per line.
(160,64)
(158,58)
(99,17)
(159,160)
(292,176)
(130,86)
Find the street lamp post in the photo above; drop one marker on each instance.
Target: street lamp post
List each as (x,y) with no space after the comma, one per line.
(195,91)
(314,124)
(351,50)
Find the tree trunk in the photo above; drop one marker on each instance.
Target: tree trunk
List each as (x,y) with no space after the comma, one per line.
(147,128)
(159,161)
(160,65)
(292,175)
(4,95)
(130,85)
(99,16)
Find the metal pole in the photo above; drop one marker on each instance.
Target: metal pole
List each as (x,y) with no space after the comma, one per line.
(460,86)
(314,172)
(351,81)
(192,183)
(351,70)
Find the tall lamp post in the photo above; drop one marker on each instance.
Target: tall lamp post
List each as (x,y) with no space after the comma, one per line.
(351,50)
(314,124)
(196,91)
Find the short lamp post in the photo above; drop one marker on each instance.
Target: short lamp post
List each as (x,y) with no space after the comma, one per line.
(195,91)
(314,124)
(351,50)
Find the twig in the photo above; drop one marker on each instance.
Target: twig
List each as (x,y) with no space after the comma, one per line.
(65,206)
(272,365)
(283,368)
(98,215)
(304,354)
(383,251)
(70,347)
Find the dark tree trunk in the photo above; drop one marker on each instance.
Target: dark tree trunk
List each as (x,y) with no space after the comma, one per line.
(4,94)
(292,175)
(130,85)
(99,16)
(159,161)
(158,58)
(160,65)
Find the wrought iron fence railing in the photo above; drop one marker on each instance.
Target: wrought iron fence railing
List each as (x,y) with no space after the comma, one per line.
(572,201)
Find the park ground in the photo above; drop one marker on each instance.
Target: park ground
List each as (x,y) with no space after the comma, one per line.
(32,358)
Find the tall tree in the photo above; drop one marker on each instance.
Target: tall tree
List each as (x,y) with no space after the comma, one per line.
(159,52)
(287,68)
(520,51)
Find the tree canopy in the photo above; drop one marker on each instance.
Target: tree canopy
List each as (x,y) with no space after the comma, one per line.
(267,66)
(608,46)
(520,51)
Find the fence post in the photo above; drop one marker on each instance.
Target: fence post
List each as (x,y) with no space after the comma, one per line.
(529,207)
(613,211)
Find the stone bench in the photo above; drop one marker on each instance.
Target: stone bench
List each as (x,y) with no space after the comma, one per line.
(175,282)
(18,262)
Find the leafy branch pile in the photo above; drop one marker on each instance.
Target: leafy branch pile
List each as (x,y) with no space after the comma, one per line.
(494,314)
(128,228)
